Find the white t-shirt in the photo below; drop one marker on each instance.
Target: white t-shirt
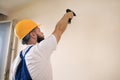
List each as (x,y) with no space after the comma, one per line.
(38,59)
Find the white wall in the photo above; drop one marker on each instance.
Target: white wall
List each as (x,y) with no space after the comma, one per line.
(90,47)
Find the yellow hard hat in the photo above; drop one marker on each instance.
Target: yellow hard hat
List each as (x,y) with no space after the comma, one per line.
(23,27)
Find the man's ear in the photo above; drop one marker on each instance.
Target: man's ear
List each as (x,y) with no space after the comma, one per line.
(32,35)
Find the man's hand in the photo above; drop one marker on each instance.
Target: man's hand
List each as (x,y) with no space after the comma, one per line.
(67,11)
(69,15)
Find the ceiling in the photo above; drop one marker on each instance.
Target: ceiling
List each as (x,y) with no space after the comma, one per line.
(7,6)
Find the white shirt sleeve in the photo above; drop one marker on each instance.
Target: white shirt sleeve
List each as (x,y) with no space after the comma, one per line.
(38,59)
(47,46)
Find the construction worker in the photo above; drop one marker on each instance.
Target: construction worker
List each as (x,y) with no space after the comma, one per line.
(33,62)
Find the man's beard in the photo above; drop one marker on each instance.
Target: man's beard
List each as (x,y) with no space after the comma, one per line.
(39,39)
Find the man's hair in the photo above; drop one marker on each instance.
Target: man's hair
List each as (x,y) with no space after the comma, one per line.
(26,39)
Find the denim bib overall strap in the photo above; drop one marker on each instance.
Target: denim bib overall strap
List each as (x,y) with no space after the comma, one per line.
(22,72)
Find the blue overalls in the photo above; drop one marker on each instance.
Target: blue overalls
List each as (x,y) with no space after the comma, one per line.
(22,72)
